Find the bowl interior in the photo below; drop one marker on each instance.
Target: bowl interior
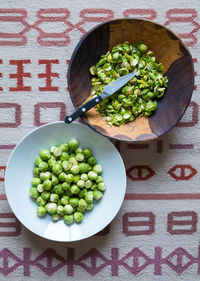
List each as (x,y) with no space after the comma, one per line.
(19,174)
(168,49)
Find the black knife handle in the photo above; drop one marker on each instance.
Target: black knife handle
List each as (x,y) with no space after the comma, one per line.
(84,108)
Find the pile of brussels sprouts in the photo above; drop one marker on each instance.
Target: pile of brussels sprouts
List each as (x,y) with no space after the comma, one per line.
(67,180)
(138,97)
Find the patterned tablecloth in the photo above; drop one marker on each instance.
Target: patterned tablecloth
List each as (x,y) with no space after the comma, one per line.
(157,231)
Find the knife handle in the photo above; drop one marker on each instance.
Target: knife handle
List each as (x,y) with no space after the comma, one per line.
(84,108)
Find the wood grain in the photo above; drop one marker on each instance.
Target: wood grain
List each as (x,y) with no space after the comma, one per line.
(168,49)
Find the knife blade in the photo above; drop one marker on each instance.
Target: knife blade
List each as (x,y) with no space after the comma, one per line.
(108,90)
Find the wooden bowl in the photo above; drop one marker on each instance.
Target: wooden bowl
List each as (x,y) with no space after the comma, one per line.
(168,49)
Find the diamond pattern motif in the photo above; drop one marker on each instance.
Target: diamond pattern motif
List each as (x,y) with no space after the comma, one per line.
(93,262)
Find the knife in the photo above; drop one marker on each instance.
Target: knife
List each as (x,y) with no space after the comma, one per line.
(108,90)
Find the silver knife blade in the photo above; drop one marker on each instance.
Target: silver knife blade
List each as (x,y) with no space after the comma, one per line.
(116,85)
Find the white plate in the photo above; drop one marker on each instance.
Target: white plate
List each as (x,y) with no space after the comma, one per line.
(19,174)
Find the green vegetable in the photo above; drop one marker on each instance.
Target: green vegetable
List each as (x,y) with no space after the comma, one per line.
(35,181)
(129,102)
(97,169)
(83,168)
(65,186)
(54,197)
(33,192)
(78,216)
(47,185)
(74,202)
(82,193)
(72,160)
(94,186)
(92,175)
(62,177)
(55,217)
(58,189)
(68,219)
(45,195)
(84,177)
(67,179)
(41,211)
(92,160)
(76,178)
(79,149)
(36,172)
(60,210)
(40,201)
(142,48)
(51,162)
(57,151)
(90,206)
(74,189)
(87,152)
(88,184)
(82,205)
(45,175)
(57,168)
(64,147)
(54,180)
(97,194)
(80,157)
(40,188)
(64,156)
(38,160)
(81,183)
(45,154)
(99,179)
(51,208)
(75,169)
(101,186)
(43,166)
(68,209)
(89,197)
(73,144)
(65,200)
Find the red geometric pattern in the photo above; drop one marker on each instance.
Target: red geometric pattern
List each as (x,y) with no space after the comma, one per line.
(142,173)
(133,224)
(182,170)
(2,172)
(17,117)
(48,75)
(45,105)
(19,75)
(144,226)
(62,37)
(186,16)
(9,225)
(174,220)
(93,262)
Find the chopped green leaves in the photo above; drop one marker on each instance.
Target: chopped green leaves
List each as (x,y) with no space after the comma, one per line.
(138,97)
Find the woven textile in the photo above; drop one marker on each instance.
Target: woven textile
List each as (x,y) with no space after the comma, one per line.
(163,191)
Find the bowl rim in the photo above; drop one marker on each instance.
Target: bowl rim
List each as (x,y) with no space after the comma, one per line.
(85,121)
(35,232)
